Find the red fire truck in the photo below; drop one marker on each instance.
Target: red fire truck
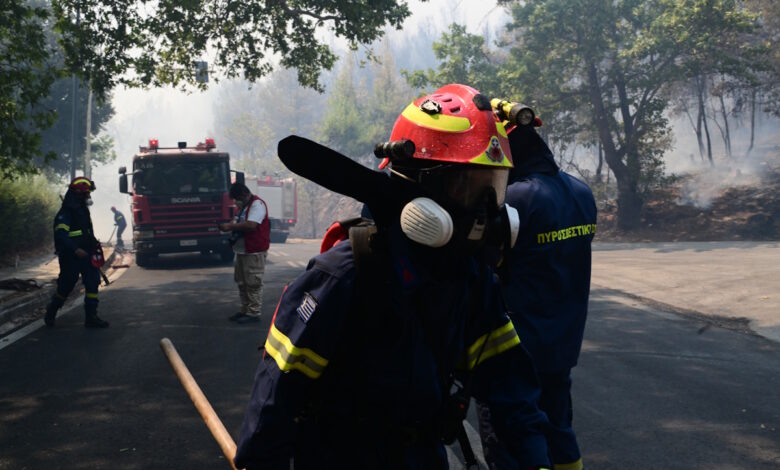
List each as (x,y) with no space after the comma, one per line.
(281,198)
(180,194)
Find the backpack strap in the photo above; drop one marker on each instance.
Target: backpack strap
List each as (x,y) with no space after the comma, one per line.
(361,237)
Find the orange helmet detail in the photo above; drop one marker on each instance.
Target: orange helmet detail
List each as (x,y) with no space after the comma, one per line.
(454,124)
(82,184)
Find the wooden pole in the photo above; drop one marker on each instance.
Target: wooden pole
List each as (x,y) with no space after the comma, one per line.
(201,403)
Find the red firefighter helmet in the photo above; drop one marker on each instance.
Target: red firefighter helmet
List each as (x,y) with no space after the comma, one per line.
(82,184)
(455,130)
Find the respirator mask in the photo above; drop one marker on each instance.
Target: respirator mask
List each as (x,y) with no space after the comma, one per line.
(465,207)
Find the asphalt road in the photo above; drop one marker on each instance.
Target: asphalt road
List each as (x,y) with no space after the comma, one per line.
(653,390)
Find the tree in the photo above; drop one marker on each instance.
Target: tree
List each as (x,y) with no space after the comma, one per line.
(251,119)
(141,43)
(26,74)
(389,96)
(56,139)
(463,58)
(343,124)
(613,62)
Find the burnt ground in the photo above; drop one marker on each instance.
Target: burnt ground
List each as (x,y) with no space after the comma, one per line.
(750,210)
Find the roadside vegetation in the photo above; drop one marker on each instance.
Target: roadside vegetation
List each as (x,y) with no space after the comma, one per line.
(28,205)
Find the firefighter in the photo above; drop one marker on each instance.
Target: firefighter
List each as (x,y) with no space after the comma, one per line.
(548,284)
(76,246)
(121,224)
(368,343)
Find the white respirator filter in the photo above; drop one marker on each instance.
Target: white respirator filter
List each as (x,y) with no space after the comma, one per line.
(426,222)
(88,201)
(514,224)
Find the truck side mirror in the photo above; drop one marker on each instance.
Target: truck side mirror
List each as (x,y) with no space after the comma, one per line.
(123,184)
(240,177)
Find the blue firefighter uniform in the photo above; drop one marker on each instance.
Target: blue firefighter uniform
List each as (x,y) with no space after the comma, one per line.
(549,279)
(73,230)
(355,376)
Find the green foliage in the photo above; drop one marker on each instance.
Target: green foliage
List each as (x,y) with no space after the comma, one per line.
(25,78)
(28,205)
(155,43)
(463,58)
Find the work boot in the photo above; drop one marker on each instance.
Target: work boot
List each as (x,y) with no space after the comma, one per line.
(93,321)
(51,314)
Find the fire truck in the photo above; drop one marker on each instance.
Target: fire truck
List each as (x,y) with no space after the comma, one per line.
(179,195)
(281,198)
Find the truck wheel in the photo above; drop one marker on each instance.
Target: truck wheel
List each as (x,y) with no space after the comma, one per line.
(142,259)
(227,255)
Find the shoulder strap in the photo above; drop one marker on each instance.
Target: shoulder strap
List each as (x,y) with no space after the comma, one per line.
(360,237)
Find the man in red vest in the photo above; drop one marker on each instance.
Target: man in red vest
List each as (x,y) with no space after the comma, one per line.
(253,235)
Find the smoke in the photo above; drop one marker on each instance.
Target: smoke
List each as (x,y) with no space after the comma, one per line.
(703,182)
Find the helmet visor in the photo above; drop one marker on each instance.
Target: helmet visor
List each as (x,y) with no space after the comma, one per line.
(466,185)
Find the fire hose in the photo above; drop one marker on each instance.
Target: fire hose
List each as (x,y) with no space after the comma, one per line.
(200,401)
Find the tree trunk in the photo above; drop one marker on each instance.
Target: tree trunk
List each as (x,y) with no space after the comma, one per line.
(726,134)
(629,201)
(699,138)
(752,120)
(601,163)
(700,83)
(629,205)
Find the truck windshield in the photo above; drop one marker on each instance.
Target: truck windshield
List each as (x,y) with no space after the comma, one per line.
(178,177)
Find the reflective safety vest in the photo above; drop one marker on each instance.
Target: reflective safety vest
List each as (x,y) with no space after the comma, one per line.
(258,240)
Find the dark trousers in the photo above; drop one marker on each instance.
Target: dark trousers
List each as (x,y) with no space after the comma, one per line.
(555,401)
(119,230)
(71,267)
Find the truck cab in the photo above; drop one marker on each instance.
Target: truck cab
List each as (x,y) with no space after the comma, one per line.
(179,195)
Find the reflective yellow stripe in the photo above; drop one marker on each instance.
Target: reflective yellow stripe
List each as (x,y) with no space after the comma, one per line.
(495,342)
(501,130)
(75,233)
(91,295)
(569,466)
(62,227)
(438,122)
(289,357)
